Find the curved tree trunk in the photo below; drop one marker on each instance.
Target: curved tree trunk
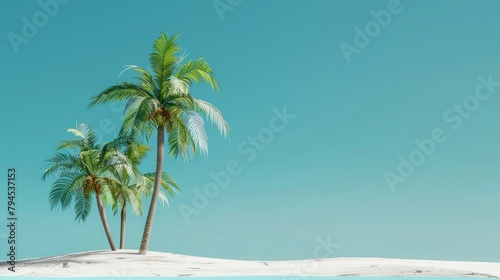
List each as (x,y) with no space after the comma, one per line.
(156,190)
(104,221)
(122,225)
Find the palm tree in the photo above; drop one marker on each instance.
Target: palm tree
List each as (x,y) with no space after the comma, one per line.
(128,190)
(124,193)
(163,101)
(81,175)
(124,190)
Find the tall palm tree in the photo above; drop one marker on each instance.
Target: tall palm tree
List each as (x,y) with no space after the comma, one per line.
(129,190)
(163,101)
(81,175)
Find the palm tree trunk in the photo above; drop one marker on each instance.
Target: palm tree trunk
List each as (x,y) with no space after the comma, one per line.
(122,225)
(156,190)
(104,221)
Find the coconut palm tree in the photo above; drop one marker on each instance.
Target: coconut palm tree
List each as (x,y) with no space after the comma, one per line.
(124,190)
(162,101)
(129,190)
(124,193)
(84,175)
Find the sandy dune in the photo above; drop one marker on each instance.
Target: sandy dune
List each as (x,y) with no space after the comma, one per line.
(129,263)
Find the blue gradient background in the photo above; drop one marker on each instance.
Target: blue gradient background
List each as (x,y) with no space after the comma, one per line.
(321,176)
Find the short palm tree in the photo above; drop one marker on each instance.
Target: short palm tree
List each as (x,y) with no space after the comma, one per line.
(124,193)
(84,175)
(129,190)
(162,101)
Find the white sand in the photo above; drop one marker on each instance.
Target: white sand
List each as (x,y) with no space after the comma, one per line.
(130,263)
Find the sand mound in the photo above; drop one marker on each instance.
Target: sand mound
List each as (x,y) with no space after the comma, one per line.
(130,263)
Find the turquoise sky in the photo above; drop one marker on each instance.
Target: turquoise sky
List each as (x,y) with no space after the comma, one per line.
(318,176)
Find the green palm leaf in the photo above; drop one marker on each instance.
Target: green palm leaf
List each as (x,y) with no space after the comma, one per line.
(120,92)
(163,60)
(83,203)
(64,188)
(60,163)
(138,115)
(198,71)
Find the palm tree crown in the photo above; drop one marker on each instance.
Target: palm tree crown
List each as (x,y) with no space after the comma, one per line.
(164,100)
(89,172)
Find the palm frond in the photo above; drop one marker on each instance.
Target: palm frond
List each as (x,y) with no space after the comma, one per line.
(114,161)
(121,92)
(72,144)
(76,132)
(146,79)
(196,72)
(147,82)
(64,188)
(137,152)
(163,60)
(178,141)
(112,196)
(83,202)
(133,197)
(163,198)
(196,128)
(89,160)
(214,115)
(60,162)
(169,184)
(87,138)
(178,86)
(139,115)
